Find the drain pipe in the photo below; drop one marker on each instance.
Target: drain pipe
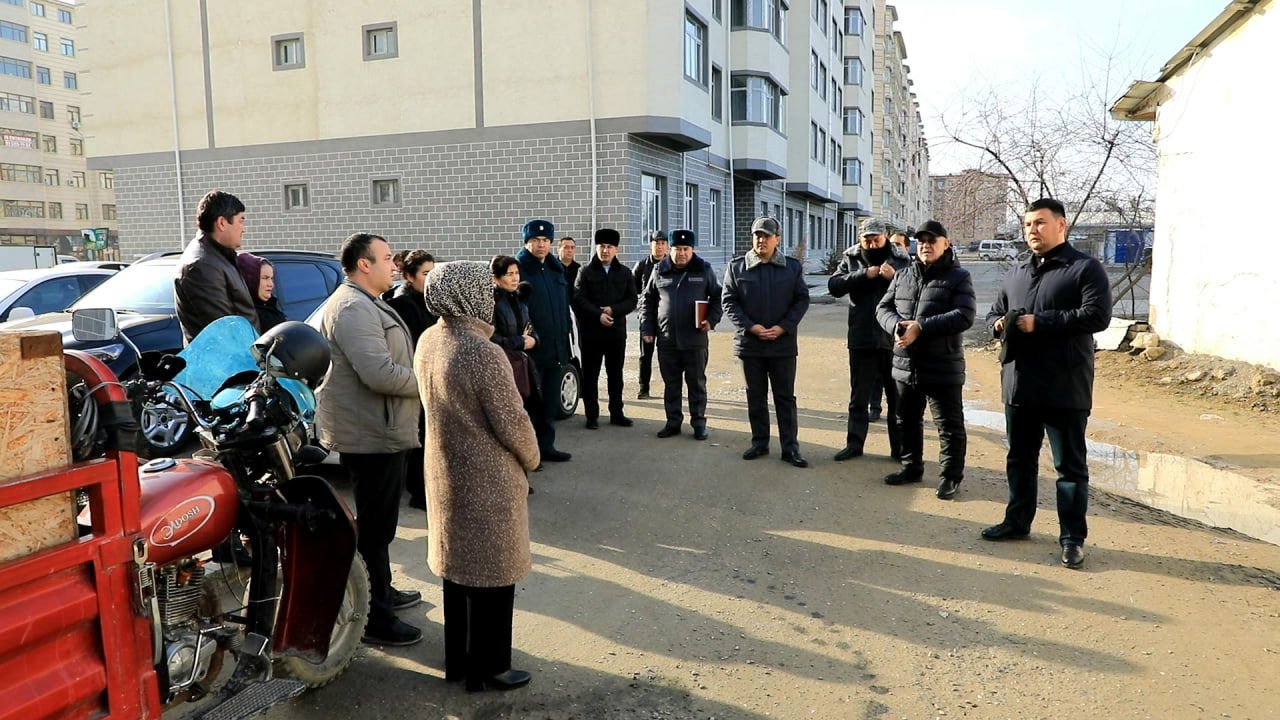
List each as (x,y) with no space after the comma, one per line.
(591,119)
(173,97)
(727,250)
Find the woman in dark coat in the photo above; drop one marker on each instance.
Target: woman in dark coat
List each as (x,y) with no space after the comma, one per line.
(512,328)
(260,275)
(480,444)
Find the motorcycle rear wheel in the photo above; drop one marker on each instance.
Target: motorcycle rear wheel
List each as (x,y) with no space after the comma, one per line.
(345,640)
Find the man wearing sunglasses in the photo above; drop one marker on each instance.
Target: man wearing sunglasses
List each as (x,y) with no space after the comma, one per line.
(927,308)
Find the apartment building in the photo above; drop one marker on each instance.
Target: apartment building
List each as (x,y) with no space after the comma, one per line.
(899,176)
(447,125)
(972,204)
(48,195)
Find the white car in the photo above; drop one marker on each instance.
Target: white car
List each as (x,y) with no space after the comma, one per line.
(997,250)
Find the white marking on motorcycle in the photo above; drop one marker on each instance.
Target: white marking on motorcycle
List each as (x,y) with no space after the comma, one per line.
(183,520)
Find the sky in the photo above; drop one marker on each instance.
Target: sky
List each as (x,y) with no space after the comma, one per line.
(957,46)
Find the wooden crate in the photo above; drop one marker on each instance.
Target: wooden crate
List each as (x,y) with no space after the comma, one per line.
(33,438)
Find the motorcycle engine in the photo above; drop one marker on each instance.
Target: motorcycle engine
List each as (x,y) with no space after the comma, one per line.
(192,633)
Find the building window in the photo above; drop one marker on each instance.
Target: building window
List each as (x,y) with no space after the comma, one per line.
(691,207)
(836,40)
(822,80)
(652,213)
(20,103)
(69,81)
(853,120)
(755,99)
(51,143)
(853,71)
(713,207)
(11,172)
(822,146)
(767,15)
(108,212)
(695,49)
(43,76)
(16,68)
(821,15)
(106,181)
(64,16)
(82,211)
(13,31)
(17,3)
(813,140)
(813,69)
(717,94)
(55,210)
(837,96)
(76,179)
(297,196)
(37,9)
(77,146)
(386,192)
(716,10)
(40,41)
(853,21)
(287,52)
(380,41)
(51,177)
(831,154)
(23,209)
(73,116)
(68,47)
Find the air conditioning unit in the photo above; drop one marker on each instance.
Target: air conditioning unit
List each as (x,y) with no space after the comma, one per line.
(75,124)
(71,182)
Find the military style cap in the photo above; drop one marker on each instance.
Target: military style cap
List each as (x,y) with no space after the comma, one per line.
(539,228)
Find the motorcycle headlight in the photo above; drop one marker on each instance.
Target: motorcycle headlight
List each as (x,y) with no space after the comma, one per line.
(107,353)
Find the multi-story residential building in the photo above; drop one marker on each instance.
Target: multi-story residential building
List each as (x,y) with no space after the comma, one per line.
(447,125)
(972,204)
(899,176)
(857,116)
(48,195)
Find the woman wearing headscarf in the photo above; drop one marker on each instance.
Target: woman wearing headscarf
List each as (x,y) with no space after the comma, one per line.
(260,275)
(479,445)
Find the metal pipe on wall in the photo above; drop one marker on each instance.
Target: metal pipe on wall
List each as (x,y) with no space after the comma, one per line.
(173,97)
(591,118)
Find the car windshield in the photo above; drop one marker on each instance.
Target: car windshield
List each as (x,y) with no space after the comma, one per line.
(145,288)
(9,286)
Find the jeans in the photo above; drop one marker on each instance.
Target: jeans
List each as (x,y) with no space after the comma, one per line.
(1027,427)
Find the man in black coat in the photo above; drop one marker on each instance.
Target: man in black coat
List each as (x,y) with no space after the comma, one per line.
(642,270)
(863,275)
(928,307)
(670,317)
(208,285)
(549,308)
(1046,315)
(765,296)
(605,292)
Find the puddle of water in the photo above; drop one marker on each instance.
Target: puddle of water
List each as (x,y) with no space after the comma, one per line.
(1183,486)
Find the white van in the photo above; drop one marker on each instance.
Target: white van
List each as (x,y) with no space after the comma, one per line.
(997,250)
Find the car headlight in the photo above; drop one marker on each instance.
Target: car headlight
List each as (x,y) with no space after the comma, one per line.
(107,353)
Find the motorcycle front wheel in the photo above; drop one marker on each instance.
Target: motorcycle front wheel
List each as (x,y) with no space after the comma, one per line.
(345,640)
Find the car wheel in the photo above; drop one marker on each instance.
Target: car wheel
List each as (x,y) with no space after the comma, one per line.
(570,387)
(165,428)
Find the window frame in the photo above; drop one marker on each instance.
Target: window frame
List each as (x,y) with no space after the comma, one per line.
(280,41)
(717,222)
(652,203)
(82,211)
(861,23)
(368,32)
(691,207)
(717,94)
(77,147)
(752,91)
(699,62)
(106,180)
(40,41)
(67,47)
(70,81)
(108,211)
(47,104)
(52,176)
(851,62)
(49,143)
(374,185)
(37,9)
(44,76)
(287,196)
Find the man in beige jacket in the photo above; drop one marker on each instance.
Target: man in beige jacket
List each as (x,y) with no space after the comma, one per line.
(367,410)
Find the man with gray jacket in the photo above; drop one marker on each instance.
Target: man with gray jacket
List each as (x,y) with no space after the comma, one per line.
(367,410)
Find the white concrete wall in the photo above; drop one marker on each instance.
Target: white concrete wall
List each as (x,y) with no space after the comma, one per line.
(1215,274)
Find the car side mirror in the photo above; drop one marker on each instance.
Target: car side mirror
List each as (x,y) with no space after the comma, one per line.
(94,324)
(21,313)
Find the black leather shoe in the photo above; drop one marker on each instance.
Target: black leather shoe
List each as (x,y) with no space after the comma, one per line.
(755,451)
(643,394)
(947,489)
(621,421)
(795,459)
(396,633)
(1004,531)
(904,476)
(1073,556)
(401,599)
(508,680)
(554,455)
(418,503)
(874,416)
(668,430)
(848,453)
(593,424)
(700,433)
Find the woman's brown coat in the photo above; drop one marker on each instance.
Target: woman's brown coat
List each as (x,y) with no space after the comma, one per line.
(479,443)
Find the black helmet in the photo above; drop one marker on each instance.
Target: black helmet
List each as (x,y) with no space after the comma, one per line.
(297,351)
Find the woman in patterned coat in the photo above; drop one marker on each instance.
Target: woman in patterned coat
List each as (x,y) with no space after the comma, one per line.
(479,445)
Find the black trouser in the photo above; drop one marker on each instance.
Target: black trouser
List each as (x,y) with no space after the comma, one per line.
(878,386)
(1026,428)
(477,631)
(542,405)
(761,373)
(379,481)
(869,371)
(612,351)
(947,406)
(691,365)
(646,364)
(414,477)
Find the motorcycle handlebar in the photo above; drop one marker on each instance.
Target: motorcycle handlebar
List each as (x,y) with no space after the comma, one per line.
(257,406)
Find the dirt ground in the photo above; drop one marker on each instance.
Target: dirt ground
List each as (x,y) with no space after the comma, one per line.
(672,579)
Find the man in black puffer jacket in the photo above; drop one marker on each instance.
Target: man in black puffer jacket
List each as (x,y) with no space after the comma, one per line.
(927,308)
